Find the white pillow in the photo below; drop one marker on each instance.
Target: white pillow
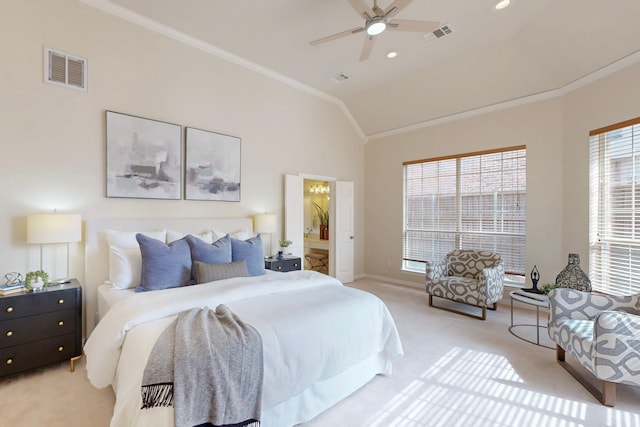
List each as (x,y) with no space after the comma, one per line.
(125,267)
(238,234)
(125,259)
(127,239)
(206,237)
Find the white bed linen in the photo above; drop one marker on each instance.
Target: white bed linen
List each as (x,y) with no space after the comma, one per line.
(108,296)
(321,342)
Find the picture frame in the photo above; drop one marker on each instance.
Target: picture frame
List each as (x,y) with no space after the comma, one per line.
(212,166)
(144,158)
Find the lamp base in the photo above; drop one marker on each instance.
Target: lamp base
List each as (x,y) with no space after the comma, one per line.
(59,281)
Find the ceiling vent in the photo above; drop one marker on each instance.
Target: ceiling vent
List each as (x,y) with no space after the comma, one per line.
(340,77)
(64,69)
(439,33)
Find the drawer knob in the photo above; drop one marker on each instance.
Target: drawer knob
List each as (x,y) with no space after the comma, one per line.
(61,348)
(279,267)
(9,309)
(10,333)
(60,301)
(9,361)
(295,264)
(61,323)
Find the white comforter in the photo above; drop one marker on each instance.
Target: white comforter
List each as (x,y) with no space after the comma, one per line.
(321,342)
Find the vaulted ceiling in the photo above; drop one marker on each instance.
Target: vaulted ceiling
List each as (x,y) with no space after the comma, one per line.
(491,57)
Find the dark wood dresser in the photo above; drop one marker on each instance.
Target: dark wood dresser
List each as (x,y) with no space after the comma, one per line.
(287,263)
(39,328)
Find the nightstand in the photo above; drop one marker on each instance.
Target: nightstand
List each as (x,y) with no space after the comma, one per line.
(287,263)
(39,328)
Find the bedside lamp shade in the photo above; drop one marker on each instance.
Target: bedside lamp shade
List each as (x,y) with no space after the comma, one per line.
(50,228)
(265,223)
(54,228)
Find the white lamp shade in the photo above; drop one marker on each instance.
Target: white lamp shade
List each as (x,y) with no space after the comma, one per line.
(54,228)
(265,223)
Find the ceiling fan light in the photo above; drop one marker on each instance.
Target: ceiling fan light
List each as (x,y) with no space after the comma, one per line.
(376,27)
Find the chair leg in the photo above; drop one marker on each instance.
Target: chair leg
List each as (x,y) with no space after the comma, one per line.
(606,396)
(493,307)
(482,317)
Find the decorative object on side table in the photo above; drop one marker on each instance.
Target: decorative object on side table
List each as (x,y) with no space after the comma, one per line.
(12,283)
(284,243)
(573,277)
(535,277)
(36,280)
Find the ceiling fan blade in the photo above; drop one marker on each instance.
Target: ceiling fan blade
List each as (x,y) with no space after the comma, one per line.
(361,7)
(398,5)
(409,25)
(366,49)
(337,36)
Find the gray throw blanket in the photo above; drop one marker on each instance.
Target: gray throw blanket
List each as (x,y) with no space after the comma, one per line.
(209,366)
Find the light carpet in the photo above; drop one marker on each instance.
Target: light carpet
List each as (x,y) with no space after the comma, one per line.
(456,371)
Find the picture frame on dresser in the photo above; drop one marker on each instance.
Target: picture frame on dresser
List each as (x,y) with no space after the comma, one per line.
(212,166)
(144,158)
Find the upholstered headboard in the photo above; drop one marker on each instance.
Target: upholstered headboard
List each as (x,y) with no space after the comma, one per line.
(96,251)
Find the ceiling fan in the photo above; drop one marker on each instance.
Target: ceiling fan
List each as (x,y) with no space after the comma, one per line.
(377,21)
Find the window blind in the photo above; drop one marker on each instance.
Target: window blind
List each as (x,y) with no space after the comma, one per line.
(614,208)
(470,201)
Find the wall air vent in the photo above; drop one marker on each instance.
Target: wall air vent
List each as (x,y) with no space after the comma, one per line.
(340,77)
(64,69)
(439,33)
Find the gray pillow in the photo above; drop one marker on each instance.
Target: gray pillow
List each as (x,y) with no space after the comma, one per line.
(211,272)
(251,251)
(163,266)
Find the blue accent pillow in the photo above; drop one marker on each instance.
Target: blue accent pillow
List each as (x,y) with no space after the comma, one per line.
(218,252)
(251,251)
(163,266)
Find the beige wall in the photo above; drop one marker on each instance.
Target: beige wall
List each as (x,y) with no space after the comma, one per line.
(555,132)
(53,139)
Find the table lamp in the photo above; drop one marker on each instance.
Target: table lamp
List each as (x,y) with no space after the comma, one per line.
(266,223)
(51,228)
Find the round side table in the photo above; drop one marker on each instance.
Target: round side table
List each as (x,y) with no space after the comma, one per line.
(531,299)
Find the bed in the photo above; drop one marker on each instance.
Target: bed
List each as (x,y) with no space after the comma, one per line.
(321,340)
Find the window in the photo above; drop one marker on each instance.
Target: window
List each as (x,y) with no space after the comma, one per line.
(614,208)
(471,201)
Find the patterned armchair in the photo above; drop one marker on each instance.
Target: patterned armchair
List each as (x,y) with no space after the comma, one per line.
(602,333)
(469,277)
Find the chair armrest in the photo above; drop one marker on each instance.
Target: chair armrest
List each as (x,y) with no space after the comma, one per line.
(616,336)
(572,304)
(492,282)
(435,270)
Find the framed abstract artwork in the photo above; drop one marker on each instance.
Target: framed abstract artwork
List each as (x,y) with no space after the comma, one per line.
(212,166)
(144,158)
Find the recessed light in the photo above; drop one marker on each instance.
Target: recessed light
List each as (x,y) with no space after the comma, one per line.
(502,4)
(392,54)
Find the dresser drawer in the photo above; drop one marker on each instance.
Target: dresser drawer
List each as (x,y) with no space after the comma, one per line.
(23,330)
(35,303)
(37,353)
(282,265)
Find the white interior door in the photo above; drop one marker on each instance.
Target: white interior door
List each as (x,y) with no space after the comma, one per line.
(294,214)
(341,255)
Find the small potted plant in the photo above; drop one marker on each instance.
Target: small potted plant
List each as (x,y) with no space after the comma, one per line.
(36,280)
(283,244)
